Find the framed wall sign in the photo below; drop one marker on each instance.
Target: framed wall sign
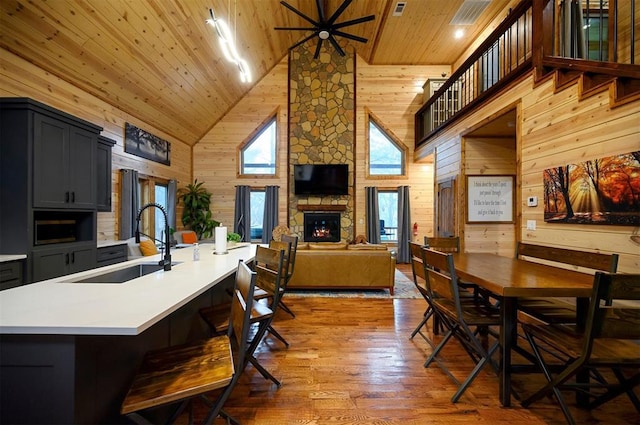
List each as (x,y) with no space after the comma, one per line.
(145,145)
(490,199)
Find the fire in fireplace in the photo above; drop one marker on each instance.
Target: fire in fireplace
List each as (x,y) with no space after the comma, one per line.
(322,227)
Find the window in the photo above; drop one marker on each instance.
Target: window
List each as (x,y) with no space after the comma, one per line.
(386,155)
(257,213)
(258,153)
(161,194)
(388,212)
(152,190)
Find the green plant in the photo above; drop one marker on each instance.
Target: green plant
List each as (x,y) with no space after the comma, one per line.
(196,214)
(233,237)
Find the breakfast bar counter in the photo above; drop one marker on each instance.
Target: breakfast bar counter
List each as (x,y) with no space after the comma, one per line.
(70,347)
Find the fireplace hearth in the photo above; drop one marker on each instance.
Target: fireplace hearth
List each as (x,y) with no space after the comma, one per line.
(321,227)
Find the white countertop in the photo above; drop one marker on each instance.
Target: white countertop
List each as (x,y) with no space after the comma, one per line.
(58,306)
(13,257)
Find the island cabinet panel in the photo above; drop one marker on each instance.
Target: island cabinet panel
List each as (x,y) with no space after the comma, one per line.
(10,274)
(61,259)
(112,255)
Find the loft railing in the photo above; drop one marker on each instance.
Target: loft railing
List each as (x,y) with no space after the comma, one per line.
(579,36)
(506,53)
(597,36)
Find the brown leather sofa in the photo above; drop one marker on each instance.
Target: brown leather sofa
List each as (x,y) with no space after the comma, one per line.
(339,265)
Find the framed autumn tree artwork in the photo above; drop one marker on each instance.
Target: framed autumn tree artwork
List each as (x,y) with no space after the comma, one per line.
(597,191)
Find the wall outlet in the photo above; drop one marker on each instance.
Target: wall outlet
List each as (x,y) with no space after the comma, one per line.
(531,225)
(532,201)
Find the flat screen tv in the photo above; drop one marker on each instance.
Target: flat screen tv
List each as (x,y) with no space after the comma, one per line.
(321,179)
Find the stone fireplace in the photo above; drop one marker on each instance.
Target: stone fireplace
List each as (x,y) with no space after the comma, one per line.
(321,131)
(321,227)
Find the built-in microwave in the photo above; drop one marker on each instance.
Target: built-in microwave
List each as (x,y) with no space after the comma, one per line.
(54,231)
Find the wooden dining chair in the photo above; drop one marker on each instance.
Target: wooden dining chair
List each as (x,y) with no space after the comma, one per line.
(465,321)
(419,280)
(610,341)
(290,269)
(450,244)
(269,266)
(290,262)
(179,374)
(558,310)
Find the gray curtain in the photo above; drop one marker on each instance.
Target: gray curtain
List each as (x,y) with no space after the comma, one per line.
(242,216)
(270,217)
(404,225)
(573,32)
(373,214)
(129,203)
(172,202)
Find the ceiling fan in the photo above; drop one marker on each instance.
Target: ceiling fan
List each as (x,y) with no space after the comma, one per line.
(326,29)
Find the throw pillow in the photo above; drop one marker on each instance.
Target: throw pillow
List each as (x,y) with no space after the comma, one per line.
(189,237)
(148,248)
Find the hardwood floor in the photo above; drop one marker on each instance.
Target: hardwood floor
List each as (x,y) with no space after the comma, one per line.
(350,361)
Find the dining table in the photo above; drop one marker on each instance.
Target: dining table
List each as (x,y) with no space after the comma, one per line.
(509,279)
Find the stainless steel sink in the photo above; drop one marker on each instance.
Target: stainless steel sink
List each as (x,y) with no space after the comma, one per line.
(124,275)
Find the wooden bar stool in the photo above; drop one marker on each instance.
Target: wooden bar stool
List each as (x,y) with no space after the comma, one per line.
(179,374)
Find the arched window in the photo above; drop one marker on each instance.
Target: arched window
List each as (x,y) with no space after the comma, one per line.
(258,153)
(386,155)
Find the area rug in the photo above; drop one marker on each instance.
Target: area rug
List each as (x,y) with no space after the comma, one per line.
(403,288)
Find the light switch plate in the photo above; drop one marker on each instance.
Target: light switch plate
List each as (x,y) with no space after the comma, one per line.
(531,225)
(532,201)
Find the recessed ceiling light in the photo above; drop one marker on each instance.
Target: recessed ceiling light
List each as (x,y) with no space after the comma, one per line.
(459,33)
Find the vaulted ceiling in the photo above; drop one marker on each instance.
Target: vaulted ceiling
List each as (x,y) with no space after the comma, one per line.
(160,62)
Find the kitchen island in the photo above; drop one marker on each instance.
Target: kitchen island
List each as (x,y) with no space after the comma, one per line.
(68,349)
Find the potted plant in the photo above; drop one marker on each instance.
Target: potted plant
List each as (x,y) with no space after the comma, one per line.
(196,214)
(233,238)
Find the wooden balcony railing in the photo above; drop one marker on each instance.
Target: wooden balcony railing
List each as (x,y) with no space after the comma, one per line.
(596,37)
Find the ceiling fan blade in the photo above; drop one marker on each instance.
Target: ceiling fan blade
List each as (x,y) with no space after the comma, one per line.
(336,45)
(320,11)
(338,12)
(309,37)
(350,36)
(295,28)
(354,21)
(297,12)
(317,53)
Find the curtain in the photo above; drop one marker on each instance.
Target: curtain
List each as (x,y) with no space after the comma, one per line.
(172,202)
(404,225)
(373,214)
(242,215)
(573,31)
(129,203)
(270,217)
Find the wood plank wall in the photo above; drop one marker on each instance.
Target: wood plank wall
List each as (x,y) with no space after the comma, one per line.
(392,93)
(489,156)
(552,129)
(19,78)
(215,156)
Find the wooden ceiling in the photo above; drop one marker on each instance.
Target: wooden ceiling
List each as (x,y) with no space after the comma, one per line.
(160,62)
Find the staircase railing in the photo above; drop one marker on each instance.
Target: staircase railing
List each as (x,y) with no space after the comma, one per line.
(597,37)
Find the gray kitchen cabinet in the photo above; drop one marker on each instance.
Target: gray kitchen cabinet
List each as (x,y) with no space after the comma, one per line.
(48,170)
(61,259)
(64,158)
(103,200)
